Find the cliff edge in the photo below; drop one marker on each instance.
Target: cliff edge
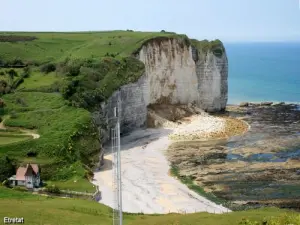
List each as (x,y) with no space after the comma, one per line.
(177,71)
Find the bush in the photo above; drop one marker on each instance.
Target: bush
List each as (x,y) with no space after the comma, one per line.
(88,174)
(32,63)
(48,68)
(7,168)
(53,189)
(31,154)
(16,38)
(2,73)
(16,62)
(12,73)
(13,115)
(5,183)
(26,72)
(22,189)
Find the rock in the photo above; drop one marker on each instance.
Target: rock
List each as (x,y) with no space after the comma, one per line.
(279,104)
(266,103)
(254,104)
(244,104)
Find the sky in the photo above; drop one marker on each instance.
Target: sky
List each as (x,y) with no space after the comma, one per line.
(228,20)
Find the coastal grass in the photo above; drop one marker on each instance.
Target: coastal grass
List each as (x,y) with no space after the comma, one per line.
(58,211)
(74,184)
(188,181)
(57,46)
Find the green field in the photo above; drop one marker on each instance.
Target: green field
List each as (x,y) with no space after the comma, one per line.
(38,210)
(57,46)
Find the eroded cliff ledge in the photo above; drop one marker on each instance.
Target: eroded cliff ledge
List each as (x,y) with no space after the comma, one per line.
(177,71)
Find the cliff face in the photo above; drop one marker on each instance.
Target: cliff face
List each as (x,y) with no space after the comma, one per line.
(178,73)
(175,73)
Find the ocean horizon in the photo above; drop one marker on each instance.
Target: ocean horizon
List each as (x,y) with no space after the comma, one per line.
(262,71)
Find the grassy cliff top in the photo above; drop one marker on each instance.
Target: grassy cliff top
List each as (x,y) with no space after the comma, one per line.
(45,47)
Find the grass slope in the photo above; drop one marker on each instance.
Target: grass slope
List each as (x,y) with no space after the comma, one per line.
(57,211)
(66,136)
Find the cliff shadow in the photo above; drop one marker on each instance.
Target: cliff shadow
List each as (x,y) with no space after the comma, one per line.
(107,165)
(138,139)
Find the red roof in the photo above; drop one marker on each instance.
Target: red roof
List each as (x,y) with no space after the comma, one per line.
(35,168)
(21,171)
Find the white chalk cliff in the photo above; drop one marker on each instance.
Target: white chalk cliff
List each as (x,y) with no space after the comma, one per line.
(179,74)
(175,73)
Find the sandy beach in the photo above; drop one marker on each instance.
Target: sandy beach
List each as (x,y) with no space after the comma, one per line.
(146,184)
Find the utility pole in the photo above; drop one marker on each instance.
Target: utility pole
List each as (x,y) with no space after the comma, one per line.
(116,166)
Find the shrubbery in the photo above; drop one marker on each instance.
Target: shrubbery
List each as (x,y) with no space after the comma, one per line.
(7,168)
(91,82)
(48,68)
(53,189)
(16,38)
(215,46)
(282,220)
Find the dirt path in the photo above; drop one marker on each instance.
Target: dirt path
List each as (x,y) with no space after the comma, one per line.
(146,184)
(26,132)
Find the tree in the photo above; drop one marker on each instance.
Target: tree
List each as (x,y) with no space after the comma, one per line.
(7,168)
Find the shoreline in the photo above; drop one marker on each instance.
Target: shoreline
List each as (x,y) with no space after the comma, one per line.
(147,184)
(259,102)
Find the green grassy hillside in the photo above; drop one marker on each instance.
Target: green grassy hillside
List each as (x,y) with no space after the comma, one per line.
(57,46)
(56,211)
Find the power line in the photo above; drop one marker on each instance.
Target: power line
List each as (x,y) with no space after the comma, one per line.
(116,167)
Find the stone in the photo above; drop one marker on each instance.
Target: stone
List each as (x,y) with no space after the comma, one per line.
(279,104)
(266,103)
(244,104)
(254,104)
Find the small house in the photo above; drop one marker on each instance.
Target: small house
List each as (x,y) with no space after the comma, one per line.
(28,176)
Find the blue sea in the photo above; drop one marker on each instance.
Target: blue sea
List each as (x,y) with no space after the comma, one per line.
(263,72)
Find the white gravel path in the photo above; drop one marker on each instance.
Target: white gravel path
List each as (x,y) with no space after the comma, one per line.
(146,185)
